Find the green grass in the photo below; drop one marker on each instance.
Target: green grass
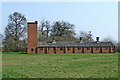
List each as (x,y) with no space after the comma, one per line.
(60,65)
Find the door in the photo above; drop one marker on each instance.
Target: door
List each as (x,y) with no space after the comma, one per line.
(100,49)
(82,49)
(45,50)
(109,49)
(36,50)
(73,49)
(64,49)
(91,49)
(54,50)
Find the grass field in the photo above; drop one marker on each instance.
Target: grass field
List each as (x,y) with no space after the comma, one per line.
(59,65)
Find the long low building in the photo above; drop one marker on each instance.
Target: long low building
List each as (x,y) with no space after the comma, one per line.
(75,47)
(65,47)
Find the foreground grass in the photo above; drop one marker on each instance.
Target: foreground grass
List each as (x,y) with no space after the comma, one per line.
(60,65)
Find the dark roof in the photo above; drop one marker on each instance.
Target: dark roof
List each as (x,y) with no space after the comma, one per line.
(73,43)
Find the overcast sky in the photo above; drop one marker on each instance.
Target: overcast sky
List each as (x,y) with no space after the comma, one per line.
(99,17)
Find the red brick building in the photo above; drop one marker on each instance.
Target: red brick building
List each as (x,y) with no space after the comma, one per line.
(65,47)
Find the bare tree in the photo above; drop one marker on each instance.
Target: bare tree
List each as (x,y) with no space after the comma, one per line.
(44,29)
(109,39)
(86,36)
(42,26)
(63,29)
(15,30)
(41,31)
(47,25)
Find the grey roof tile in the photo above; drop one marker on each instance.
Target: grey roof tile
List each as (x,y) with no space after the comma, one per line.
(73,43)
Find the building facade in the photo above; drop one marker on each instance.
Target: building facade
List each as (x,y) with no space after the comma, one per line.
(64,47)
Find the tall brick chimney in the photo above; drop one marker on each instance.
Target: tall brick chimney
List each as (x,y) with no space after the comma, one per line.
(32,37)
(80,38)
(97,39)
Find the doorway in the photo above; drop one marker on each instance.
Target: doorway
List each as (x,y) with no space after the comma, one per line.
(45,50)
(100,49)
(82,49)
(64,50)
(36,50)
(73,49)
(91,49)
(54,48)
(109,49)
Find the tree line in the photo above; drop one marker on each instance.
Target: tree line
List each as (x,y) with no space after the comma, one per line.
(15,34)
(58,29)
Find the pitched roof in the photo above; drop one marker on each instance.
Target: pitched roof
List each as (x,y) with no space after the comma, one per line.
(73,43)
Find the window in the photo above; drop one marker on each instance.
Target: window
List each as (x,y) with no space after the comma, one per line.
(41,48)
(54,48)
(79,48)
(97,48)
(88,48)
(32,49)
(61,48)
(106,48)
(48,48)
(68,48)
(112,47)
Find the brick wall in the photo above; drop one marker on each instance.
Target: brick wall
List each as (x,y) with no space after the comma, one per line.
(87,51)
(113,49)
(78,51)
(40,51)
(51,50)
(105,51)
(69,51)
(32,37)
(96,51)
(59,51)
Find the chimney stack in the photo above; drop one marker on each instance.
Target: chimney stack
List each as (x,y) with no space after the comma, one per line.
(53,40)
(80,38)
(36,22)
(32,37)
(97,38)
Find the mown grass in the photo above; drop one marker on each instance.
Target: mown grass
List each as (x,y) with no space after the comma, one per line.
(60,65)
